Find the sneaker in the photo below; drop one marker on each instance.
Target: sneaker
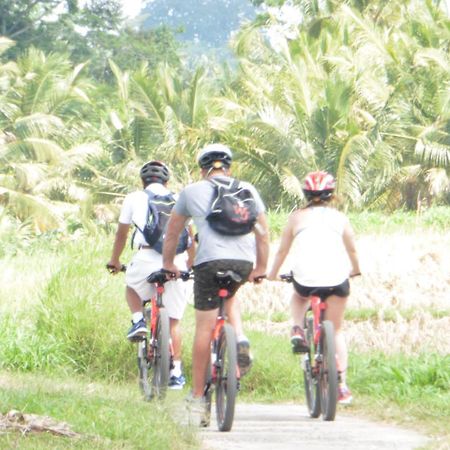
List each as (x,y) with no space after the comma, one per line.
(244,357)
(344,395)
(177,382)
(137,331)
(298,340)
(196,410)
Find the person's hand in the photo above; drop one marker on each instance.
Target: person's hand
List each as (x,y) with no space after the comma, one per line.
(257,275)
(114,266)
(355,273)
(172,268)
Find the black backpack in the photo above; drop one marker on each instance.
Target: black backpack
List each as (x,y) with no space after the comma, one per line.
(158,213)
(233,209)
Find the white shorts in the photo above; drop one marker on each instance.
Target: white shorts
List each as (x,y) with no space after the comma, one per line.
(146,261)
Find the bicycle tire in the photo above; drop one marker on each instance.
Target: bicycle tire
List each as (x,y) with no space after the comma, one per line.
(311,382)
(226,382)
(161,356)
(328,373)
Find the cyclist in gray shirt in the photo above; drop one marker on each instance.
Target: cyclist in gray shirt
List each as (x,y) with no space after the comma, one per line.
(245,254)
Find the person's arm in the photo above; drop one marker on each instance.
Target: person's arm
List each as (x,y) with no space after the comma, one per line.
(285,244)
(119,244)
(191,249)
(349,243)
(262,248)
(175,225)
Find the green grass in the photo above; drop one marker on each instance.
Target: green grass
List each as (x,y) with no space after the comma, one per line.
(106,416)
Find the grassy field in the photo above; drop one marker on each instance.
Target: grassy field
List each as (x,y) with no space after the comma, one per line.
(63,353)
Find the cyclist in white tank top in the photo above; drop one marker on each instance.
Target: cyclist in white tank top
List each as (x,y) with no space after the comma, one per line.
(323,260)
(325,257)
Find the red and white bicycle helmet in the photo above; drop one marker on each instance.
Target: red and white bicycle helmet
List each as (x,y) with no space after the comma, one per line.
(319,184)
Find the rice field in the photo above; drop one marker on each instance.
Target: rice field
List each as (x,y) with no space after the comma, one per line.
(401,304)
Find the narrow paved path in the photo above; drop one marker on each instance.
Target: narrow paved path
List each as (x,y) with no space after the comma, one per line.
(289,427)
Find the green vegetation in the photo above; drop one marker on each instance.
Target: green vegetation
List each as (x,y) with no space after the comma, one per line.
(104,415)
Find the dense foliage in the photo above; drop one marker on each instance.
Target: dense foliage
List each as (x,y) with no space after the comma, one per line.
(357,88)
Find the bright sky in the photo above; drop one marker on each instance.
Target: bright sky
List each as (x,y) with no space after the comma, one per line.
(131,7)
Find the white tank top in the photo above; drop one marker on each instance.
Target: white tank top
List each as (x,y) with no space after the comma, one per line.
(319,256)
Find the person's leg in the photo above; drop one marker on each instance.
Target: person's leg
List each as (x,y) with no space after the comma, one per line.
(201,351)
(175,300)
(335,313)
(299,306)
(233,311)
(138,289)
(133,300)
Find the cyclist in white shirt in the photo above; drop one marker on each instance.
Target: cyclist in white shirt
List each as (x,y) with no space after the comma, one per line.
(325,257)
(154,176)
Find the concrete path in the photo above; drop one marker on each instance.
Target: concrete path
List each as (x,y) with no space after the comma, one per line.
(289,427)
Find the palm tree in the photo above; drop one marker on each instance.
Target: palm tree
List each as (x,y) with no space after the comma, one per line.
(42,144)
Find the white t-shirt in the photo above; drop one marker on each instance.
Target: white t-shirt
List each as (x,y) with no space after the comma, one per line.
(134,210)
(320,256)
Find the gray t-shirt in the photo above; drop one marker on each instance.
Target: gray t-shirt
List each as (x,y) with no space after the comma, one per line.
(194,201)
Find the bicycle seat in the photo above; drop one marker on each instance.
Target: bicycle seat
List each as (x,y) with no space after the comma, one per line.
(228,277)
(158,277)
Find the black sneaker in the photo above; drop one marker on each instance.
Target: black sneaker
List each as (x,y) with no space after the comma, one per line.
(298,340)
(244,357)
(137,331)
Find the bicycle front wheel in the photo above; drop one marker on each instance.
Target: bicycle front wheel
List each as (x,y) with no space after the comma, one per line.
(328,373)
(161,356)
(226,382)
(310,374)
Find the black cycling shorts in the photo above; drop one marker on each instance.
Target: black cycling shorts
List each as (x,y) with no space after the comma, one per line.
(341,290)
(205,287)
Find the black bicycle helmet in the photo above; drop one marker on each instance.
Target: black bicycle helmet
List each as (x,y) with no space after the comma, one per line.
(154,172)
(214,155)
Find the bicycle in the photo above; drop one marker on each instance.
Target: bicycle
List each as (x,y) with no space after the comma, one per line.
(319,364)
(155,352)
(223,374)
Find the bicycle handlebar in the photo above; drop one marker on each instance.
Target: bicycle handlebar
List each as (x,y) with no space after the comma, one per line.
(288,277)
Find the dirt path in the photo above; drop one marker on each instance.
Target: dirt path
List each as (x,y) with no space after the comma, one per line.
(288,427)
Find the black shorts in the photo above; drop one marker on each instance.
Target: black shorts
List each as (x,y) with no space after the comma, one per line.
(206,288)
(341,290)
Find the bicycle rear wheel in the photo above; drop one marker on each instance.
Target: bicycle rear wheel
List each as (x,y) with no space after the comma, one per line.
(328,373)
(161,356)
(310,378)
(226,382)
